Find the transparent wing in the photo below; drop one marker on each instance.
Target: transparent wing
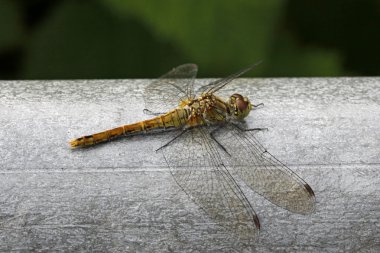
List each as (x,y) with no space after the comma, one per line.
(197,168)
(220,83)
(166,92)
(263,172)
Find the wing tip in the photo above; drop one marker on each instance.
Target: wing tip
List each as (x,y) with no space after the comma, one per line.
(309,190)
(257,222)
(189,65)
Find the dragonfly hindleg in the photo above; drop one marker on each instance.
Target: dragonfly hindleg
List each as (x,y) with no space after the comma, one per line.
(257,129)
(217,142)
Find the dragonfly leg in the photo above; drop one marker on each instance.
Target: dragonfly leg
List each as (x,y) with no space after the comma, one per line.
(175,137)
(250,129)
(217,142)
(149,112)
(258,106)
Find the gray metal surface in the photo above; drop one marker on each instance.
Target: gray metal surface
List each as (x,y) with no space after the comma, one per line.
(120,196)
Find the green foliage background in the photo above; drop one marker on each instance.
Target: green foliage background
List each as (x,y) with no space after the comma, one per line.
(41,39)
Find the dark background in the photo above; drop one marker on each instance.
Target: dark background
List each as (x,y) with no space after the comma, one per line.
(57,39)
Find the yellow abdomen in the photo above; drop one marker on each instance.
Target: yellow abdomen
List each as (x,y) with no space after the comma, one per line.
(173,119)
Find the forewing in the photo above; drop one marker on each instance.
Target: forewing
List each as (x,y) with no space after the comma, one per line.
(197,168)
(166,92)
(263,173)
(220,83)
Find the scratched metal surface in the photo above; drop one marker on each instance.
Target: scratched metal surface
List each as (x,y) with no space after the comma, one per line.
(120,196)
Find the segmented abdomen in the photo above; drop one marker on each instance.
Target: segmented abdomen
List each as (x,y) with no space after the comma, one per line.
(174,119)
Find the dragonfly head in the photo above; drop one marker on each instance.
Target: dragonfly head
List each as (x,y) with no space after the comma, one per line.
(239,106)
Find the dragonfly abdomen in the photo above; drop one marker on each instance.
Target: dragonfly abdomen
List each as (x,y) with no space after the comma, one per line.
(174,119)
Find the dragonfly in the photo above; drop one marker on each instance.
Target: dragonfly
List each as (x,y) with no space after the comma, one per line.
(211,150)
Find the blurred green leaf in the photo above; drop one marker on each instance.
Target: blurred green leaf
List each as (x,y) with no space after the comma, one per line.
(125,38)
(10,25)
(217,35)
(289,59)
(82,39)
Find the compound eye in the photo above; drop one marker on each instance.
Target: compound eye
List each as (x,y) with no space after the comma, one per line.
(241,104)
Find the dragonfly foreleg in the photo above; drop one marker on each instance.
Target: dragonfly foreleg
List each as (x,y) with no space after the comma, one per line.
(219,144)
(250,129)
(175,137)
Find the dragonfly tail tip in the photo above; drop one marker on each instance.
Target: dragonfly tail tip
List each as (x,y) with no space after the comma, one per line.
(73,144)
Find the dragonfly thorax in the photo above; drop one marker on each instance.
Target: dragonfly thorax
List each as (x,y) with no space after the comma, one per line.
(212,108)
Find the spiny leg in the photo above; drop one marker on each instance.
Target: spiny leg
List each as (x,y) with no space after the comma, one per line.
(257,129)
(250,129)
(219,144)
